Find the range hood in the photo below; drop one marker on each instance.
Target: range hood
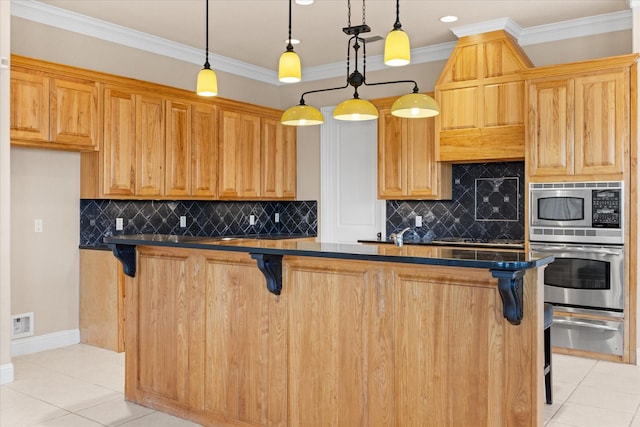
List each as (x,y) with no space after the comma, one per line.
(481,96)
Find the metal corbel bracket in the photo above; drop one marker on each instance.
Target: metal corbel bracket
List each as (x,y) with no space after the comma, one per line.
(271,267)
(126,254)
(511,293)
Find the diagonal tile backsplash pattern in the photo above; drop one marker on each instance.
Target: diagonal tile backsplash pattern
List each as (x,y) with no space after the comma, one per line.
(487,203)
(210,219)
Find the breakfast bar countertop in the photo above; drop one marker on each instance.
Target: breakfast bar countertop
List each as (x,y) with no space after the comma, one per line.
(409,254)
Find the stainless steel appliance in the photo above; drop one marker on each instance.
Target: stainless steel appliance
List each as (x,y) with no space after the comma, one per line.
(577,212)
(581,224)
(589,276)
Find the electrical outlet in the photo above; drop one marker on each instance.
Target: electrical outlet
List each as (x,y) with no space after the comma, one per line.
(119,224)
(183,221)
(418,221)
(252,220)
(37,226)
(277,217)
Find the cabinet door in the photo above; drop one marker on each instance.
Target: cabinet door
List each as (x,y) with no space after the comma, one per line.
(602,123)
(204,151)
(420,163)
(239,155)
(178,149)
(391,155)
(150,145)
(74,113)
(551,128)
(278,160)
(119,145)
(29,106)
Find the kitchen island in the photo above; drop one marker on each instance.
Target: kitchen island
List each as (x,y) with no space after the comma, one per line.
(253,332)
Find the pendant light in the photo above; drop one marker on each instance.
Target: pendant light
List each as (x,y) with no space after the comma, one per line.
(289,69)
(397,51)
(413,105)
(207,80)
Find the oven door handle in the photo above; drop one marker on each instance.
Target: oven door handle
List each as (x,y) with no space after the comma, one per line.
(599,251)
(584,324)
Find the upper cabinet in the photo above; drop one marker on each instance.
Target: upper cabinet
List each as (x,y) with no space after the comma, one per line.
(53,111)
(278,160)
(407,168)
(579,127)
(239,155)
(204,151)
(481,98)
(257,156)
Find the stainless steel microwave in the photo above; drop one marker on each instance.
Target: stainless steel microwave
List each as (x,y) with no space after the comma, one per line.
(583,212)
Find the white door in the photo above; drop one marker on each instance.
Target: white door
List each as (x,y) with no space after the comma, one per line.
(349,208)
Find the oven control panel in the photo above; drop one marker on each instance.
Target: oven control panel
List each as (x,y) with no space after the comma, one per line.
(606,205)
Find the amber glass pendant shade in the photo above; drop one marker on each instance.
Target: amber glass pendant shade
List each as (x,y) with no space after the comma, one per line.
(355,109)
(397,50)
(302,115)
(415,105)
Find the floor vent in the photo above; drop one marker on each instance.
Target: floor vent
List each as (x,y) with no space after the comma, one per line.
(21,325)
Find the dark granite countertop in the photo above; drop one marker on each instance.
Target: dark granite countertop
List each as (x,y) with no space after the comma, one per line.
(290,245)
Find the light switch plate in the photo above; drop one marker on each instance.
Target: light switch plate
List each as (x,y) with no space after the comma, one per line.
(277,217)
(119,224)
(183,221)
(252,220)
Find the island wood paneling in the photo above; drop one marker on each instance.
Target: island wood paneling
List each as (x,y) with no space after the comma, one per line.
(348,343)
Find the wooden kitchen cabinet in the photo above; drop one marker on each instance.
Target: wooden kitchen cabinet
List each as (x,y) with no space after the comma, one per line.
(407,168)
(101,300)
(146,148)
(278,160)
(118,153)
(150,145)
(141,140)
(239,155)
(204,151)
(579,126)
(55,112)
(178,149)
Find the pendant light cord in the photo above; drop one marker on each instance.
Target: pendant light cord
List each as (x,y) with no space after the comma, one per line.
(289,44)
(206,53)
(397,25)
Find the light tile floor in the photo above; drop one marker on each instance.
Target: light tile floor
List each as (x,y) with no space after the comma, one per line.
(82,386)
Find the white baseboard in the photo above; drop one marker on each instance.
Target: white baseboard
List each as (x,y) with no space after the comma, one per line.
(6,373)
(39,343)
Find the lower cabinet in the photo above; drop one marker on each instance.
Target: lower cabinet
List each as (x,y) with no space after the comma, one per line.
(101,300)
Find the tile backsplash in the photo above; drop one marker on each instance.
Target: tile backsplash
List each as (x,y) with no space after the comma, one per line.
(487,202)
(210,219)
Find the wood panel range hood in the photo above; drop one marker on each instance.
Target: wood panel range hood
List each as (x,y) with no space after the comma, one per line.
(481,97)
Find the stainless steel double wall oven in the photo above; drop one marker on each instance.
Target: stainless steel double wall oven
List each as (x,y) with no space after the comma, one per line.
(582,225)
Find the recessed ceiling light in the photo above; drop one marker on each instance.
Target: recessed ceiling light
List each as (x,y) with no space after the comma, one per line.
(293,41)
(304,2)
(449,18)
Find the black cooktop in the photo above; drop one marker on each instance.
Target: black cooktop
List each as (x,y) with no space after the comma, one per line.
(481,242)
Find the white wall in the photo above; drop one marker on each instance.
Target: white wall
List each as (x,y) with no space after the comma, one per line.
(45,184)
(6,369)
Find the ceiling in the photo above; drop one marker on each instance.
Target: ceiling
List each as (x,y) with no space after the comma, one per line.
(253,31)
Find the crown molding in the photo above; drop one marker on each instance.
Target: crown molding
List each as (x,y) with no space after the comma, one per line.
(70,21)
(82,24)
